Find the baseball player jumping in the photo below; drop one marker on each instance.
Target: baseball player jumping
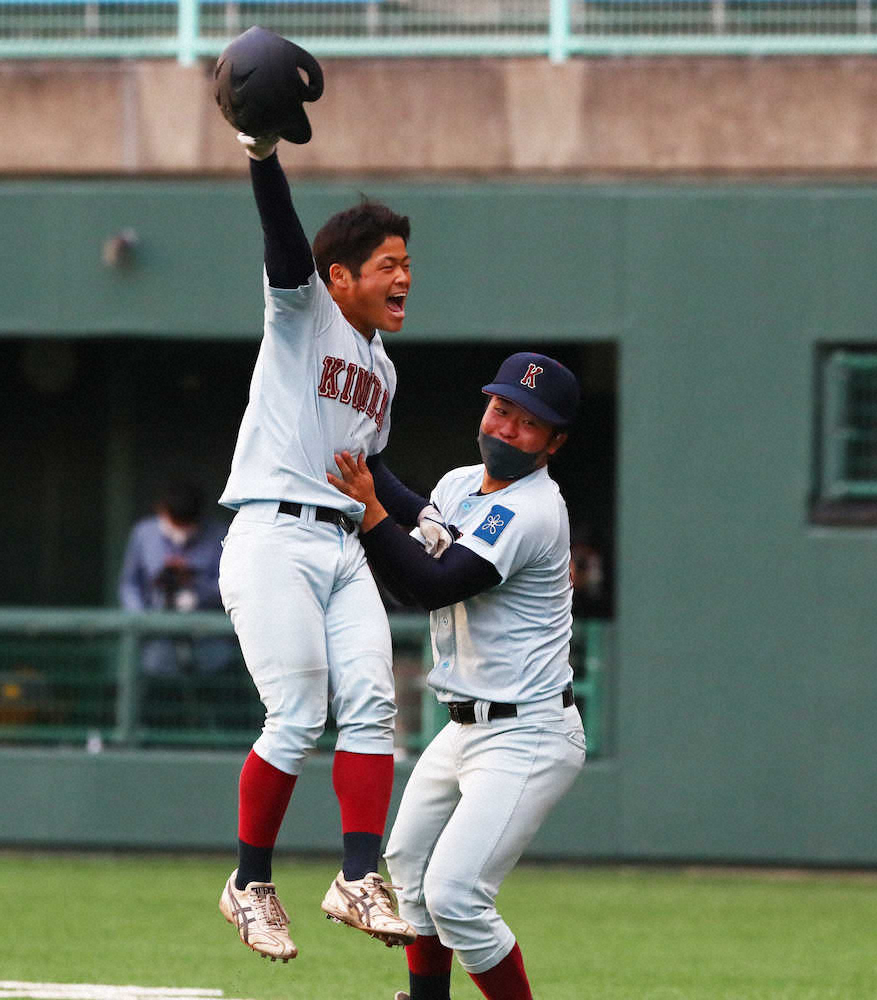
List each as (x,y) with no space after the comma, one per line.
(293,575)
(500,621)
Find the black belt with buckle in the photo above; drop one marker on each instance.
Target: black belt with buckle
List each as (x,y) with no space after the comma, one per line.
(321,514)
(464,711)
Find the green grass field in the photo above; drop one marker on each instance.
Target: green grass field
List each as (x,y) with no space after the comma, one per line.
(586,933)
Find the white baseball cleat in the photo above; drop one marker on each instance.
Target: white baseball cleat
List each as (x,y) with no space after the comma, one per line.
(259,917)
(401,996)
(369,904)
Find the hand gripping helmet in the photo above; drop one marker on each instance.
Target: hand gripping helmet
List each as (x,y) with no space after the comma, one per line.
(259,89)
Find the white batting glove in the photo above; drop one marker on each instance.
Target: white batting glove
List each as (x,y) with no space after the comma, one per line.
(435,532)
(258,149)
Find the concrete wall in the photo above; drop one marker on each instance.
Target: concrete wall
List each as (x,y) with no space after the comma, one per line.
(188,801)
(478,116)
(745,724)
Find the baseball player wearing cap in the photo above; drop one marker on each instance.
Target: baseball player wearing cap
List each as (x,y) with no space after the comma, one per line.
(500,622)
(293,575)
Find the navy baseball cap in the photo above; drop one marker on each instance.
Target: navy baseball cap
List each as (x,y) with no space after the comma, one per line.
(540,384)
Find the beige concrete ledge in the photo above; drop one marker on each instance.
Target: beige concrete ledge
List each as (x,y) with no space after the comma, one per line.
(444,116)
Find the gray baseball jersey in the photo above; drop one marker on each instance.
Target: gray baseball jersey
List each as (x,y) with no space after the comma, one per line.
(318,387)
(480,791)
(509,643)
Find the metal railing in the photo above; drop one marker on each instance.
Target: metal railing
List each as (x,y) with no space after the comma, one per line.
(192,29)
(74,677)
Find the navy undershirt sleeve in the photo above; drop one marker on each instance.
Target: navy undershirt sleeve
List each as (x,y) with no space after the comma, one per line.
(400,502)
(289,262)
(401,562)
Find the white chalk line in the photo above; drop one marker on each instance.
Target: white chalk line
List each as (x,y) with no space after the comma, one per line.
(13,990)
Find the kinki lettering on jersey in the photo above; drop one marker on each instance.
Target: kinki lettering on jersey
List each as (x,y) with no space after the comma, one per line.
(349,383)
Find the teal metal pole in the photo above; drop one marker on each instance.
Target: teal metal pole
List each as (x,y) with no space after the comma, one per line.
(187,31)
(558,31)
(593,672)
(126,691)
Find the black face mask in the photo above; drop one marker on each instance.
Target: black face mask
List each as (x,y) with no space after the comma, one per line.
(503,461)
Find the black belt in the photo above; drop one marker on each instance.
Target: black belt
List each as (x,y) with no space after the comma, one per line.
(464,711)
(321,514)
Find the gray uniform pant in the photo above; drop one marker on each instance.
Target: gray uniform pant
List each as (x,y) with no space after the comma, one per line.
(474,800)
(312,627)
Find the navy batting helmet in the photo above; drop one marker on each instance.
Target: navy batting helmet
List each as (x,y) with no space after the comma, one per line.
(540,384)
(259,89)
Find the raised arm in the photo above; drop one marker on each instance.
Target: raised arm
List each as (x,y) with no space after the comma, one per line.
(289,262)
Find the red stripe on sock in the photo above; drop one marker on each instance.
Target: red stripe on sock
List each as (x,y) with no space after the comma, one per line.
(363,783)
(506,981)
(428,956)
(263,795)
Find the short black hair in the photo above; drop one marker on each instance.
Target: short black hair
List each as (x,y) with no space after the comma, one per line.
(183,502)
(352,236)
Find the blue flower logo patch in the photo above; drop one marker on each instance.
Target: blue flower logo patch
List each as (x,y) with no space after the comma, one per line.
(494,524)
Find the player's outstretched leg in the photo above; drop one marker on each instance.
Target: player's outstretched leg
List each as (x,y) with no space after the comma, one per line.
(249,899)
(259,917)
(368,904)
(359,896)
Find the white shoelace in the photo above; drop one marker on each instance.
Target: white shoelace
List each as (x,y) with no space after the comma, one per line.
(385,892)
(270,908)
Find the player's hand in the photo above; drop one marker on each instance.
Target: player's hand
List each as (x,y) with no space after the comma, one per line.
(356,481)
(260,148)
(436,536)
(356,478)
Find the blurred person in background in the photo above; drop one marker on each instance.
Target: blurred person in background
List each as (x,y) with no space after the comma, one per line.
(172,564)
(589,573)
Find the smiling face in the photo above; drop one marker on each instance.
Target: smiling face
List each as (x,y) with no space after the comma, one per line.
(527,443)
(518,427)
(375,299)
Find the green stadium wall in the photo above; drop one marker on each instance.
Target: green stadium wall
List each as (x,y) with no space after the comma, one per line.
(744,722)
